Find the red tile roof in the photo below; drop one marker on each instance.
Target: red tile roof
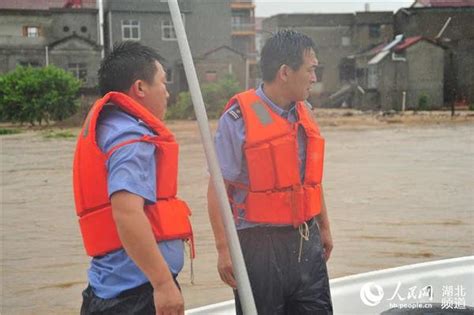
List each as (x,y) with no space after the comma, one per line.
(45,4)
(377,48)
(407,42)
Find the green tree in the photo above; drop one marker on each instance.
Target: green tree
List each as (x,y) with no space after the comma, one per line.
(38,94)
(215,97)
(423,102)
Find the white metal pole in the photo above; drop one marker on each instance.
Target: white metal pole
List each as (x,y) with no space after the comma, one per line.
(404,100)
(240,271)
(247,74)
(100,4)
(111,40)
(46,52)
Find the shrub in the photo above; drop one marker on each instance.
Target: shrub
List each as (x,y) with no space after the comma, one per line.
(423,102)
(38,94)
(58,134)
(9,131)
(215,97)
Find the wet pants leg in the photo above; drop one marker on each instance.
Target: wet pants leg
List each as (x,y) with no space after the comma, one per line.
(136,301)
(280,283)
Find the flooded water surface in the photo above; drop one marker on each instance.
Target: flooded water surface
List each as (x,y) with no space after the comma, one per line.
(396,195)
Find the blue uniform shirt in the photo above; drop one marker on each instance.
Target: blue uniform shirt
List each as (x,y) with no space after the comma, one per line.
(229,141)
(131,168)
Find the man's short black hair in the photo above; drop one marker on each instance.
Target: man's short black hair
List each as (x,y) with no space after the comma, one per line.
(127,62)
(286,47)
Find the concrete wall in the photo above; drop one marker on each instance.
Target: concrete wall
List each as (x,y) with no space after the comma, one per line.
(222,62)
(66,22)
(145,5)
(210,25)
(363,22)
(77,51)
(11,28)
(464,63)
(10,58)
(421,73)
(393,80)
(457,38)
(425,74)
(205,31)
(15,48)
(330,52)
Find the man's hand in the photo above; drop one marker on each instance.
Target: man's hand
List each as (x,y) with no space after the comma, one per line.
(326,240)
(168,300)
(224,263)
(225,268)
(324,230)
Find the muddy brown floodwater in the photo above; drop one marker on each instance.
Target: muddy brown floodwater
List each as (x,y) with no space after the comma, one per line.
(396,195)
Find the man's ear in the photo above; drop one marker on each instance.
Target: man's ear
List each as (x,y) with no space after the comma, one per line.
(283,73)
(137,89)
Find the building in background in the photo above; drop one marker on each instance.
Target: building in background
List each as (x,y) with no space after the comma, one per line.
(348,42)
(407,73)
(225,37)
(66,33)
(244,37)
(449,23)
(336,36)
(38,33)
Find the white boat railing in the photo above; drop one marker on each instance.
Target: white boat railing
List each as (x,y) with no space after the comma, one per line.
(447,284)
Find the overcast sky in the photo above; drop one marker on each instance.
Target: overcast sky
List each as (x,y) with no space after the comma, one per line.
(266,8)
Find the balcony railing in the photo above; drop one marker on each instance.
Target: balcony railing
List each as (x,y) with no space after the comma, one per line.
(242,4)
(243,27)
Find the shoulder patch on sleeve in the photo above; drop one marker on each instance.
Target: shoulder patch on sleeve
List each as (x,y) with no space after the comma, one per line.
(235,113)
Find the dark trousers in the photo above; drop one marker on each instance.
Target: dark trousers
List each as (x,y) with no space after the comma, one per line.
(136,301)
(281,284)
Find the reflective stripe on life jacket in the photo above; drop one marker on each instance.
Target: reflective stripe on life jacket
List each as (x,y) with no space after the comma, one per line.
(169,216)
(276,194)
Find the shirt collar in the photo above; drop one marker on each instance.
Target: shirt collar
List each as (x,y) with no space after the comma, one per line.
(273,106)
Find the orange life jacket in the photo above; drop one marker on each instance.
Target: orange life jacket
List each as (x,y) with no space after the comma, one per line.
(169,216)
(276,194)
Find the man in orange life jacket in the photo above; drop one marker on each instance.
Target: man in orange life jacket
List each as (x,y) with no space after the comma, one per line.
(271,156)
(125,186)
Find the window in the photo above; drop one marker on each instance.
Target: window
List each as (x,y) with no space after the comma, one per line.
(169,75)
(374,30)
(167,29)
(242,21)
(29,63)
(346,41)
(31,31)
(130,29)
(360,73)
(372,82)
(211,76)
(83,29)
(78,70)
